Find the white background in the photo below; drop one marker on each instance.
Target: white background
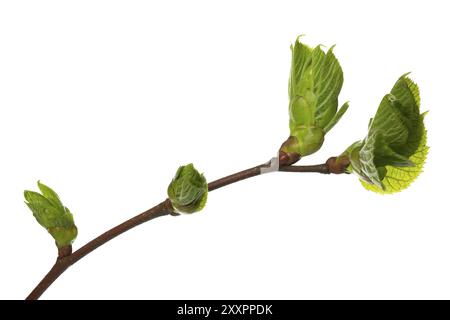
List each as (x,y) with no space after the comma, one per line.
(103,100)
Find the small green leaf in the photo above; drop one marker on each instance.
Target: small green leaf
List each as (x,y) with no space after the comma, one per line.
(314,85)
(52,215)
(188,191)
(392,155)
(336,117)
(49,194)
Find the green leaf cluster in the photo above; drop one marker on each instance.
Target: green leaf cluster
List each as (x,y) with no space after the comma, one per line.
(394,151)
(188,190)
(315,82)
(50,213)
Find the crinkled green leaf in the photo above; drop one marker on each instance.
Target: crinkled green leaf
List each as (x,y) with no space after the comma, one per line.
(400,178)
(52,215)
(314,85)
(394,151)
(188,191)
(398,120)
(315,81)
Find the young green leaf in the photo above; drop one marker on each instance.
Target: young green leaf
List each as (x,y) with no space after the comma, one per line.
(399,178)
(49,194)
(314,85)
(52,215)
(392,155)
(336,117)
(188,190)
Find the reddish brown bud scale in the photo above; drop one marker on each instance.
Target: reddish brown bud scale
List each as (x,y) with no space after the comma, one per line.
(338,165)
(288,158)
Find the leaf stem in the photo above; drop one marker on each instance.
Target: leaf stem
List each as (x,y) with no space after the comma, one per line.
(66,259)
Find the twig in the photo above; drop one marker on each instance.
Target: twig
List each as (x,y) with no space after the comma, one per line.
(319,168)
(65,259)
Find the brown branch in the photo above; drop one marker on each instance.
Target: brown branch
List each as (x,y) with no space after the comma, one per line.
(66,259)
(62,263)
(319,168)
(242,175)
